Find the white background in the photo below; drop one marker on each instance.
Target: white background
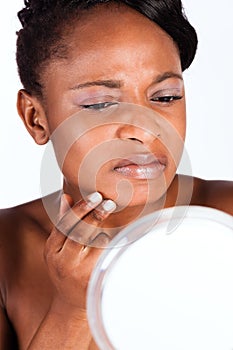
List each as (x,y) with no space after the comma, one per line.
(209,93)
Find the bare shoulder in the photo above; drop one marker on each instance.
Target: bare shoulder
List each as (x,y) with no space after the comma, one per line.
(8,225)
(17,220)
(214,193)
(9,230)
(219,195)
(24,217)
(22,228)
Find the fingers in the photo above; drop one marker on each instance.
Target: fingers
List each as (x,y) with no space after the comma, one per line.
(88,231)
(74,215)
(70,263)
(80,223)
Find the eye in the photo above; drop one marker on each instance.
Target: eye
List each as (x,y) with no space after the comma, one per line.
(99,106)
(166,99)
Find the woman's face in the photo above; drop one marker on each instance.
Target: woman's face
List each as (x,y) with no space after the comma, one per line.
(128,153)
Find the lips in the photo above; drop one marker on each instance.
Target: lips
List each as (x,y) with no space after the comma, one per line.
(141,166)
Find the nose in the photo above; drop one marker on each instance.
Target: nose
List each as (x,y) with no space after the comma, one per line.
(138,123)
(136,133)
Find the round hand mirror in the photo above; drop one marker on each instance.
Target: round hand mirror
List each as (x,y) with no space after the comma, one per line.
(166,283)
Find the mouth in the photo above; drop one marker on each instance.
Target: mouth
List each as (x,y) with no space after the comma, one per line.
(141,166)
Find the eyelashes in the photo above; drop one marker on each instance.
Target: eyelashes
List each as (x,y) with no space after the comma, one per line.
(98,106)
(166,99)
(160,100)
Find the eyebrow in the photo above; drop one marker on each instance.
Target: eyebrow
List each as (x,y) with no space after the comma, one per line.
(112,84)
(116,84)
(167,75)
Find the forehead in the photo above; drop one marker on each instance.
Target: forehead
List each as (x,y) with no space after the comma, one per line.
(111,39)
(112,24)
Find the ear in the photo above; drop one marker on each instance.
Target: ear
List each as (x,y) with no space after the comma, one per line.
(33,116)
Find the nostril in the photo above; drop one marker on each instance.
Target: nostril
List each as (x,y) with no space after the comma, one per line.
(134,139)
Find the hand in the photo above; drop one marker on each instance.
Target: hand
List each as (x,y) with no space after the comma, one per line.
(69,259)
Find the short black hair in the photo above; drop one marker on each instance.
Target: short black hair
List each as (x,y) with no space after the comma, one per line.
(43,22)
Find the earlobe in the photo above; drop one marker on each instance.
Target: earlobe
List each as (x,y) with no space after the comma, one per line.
(32,114)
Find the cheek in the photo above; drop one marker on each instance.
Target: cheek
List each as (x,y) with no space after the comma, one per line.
(177,132)
(173,137)
(84,159)
(183,119)
(179,120)
(181,127)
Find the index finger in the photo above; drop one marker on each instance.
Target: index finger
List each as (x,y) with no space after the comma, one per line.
(69,215)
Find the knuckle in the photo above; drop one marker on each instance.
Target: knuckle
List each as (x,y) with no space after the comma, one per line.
(98,215)
(75,238)
(78,237)
(63,226)
(101,240)
(68,221)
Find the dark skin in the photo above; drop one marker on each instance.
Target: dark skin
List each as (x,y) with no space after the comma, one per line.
(43,274)
(25,282)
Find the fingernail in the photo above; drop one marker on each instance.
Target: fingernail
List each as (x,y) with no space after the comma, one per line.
(94,198)
(109,205)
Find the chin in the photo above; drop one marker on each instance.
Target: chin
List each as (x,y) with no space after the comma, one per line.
(126,195)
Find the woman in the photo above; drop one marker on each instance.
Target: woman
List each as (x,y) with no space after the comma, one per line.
(103,81)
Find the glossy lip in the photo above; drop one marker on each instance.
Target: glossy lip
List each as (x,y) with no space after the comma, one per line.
(141,166)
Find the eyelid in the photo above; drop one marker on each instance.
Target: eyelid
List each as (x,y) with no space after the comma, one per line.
(97,99)
(167,92)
